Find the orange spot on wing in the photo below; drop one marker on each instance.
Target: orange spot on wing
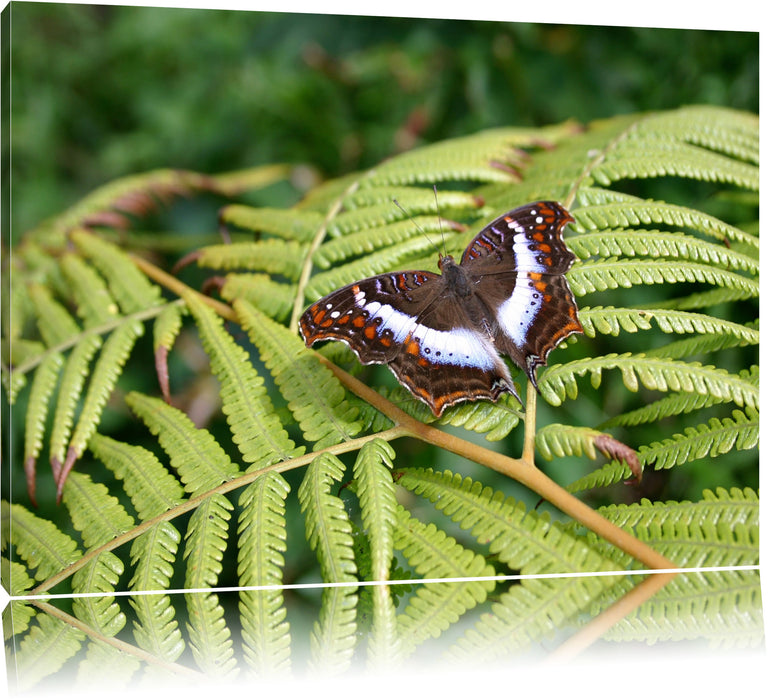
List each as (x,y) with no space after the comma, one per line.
(370,332)
(359,321)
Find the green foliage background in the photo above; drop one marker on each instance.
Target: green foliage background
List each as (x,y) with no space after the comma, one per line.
(99,92)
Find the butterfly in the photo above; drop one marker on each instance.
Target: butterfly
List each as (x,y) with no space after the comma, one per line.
(442,334)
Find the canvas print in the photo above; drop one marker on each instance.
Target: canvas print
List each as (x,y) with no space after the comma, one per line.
(341,345)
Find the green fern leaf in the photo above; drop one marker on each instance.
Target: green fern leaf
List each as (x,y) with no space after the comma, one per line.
(329,533)
(17,614)
(38,542)
(206,540)
(713,438)
(103,660)
(149,485)
(291,224)
(273,298)
(54,321)
(414,200)
(602,275)
(95,513)
(659,374)
(640,213)
(273,256)
(379,238)
(254,423)
(15,579)
(43,385)
(194,453)
(167,326)
(659,244)
(533,610)
(130,287)
(610,320)
(667,158)
(437,605)
(70,387)
(101,613)
(317,400)
(155,628)
(262,541)
(524,541)
(377,497)
(42,652)
(94,302)
(112,358)
(672,405)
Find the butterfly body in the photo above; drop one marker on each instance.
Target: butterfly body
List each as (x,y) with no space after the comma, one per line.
(442,334)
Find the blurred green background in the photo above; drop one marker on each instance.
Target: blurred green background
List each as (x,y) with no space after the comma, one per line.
(99,91)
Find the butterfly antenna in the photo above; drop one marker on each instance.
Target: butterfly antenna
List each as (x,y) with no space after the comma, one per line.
(439,216)
(410,217)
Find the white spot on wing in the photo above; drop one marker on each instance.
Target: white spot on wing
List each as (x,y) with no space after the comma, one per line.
(517,313)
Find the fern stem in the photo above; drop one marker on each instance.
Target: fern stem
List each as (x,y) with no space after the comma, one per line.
(616,612)
(179,288)
(519,469)
(123,647)
(529,423)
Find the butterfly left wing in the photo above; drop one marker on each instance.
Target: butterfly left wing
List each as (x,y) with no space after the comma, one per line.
(517,263)
(411,322)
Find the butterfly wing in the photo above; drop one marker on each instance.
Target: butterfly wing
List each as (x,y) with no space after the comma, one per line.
(517,265)
(413,323)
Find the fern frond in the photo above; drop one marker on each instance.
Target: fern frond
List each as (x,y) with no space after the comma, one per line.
(273,298)
(17,614)
(262,541)
(273,256)
(435,606)
(70,387)
(672,158)
(533,610)
(610,320)
(329,533)
(524,541)
(53,320)
(167,326)
(149,485)
(659,244)
(290,224)
(131,289)
(194,453)
(660,374)
(94,302)
(206,540)
(111,361)
(103,660)
(719,531)
(387,259)
(95,513)
(14,578)
(672,405)
(156,627)
(38,542)
(716,437)
(645,213)
(723,608)
(465,158)
(43,385)
(101,613)
(47,647)
(317,400)
(255,426)
(377,497)
(612,273)
(414,200)
(383,237)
